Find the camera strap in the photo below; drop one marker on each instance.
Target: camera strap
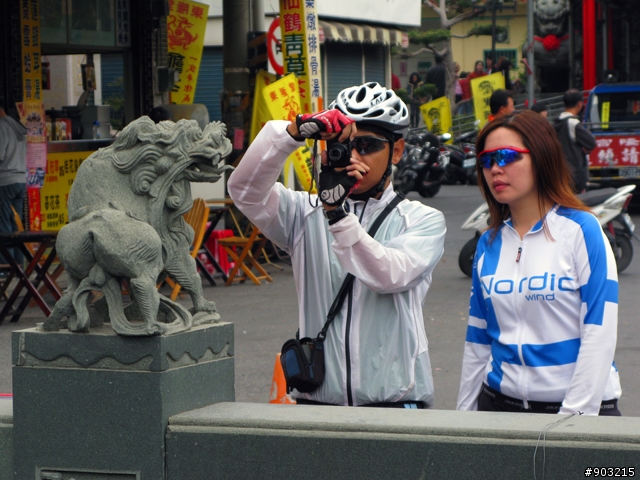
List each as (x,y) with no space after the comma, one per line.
(347,285)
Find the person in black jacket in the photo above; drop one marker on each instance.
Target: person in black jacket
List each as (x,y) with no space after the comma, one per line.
(576,140)
(437,75)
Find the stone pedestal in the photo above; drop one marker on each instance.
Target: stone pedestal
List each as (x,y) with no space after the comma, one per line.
(95,406)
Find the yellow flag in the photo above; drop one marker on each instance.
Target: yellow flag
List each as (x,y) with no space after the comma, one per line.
(186,24)
(283,102)
(481,89)
(437,115)
(261,113)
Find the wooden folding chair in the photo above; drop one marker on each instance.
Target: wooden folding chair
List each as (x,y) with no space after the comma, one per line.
(196,217)
(52,276)
(245,260)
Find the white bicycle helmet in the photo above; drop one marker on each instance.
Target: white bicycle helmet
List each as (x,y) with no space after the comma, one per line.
(374,104)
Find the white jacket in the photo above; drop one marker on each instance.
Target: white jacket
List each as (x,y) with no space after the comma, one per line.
(544,328)
(378,352)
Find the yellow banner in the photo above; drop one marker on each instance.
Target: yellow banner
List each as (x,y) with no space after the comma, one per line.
(30,42)
(283,98)
(61,172)
(437,115)
(261,113)
(301,49)
(283,101)
(481,89)
(186,24)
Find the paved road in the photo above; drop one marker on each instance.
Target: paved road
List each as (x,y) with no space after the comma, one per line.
(266,316)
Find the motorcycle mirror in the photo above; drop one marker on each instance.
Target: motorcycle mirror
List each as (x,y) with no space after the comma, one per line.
(445,136)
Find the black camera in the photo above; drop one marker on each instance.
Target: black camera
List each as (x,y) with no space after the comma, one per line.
(338,154)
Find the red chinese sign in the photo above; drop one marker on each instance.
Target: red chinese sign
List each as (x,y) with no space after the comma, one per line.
(616,151)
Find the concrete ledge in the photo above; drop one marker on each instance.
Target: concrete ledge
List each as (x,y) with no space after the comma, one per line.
(6,439)
(235,440)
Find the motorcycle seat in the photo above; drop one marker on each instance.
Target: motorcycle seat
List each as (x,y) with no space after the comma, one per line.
(596,197)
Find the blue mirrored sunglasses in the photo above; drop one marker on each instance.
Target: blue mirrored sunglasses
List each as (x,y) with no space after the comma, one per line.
(501,156)
(365,144)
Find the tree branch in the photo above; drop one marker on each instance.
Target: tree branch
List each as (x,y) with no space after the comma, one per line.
(462,17)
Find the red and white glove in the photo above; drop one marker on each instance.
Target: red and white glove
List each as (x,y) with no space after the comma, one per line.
(310,125)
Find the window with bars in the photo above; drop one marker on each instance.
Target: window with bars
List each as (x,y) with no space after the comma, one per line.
(510,53)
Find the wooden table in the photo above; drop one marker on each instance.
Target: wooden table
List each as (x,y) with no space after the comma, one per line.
(40,241)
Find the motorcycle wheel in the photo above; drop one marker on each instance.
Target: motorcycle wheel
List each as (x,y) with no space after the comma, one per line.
(473,178)
(426,186)
(406,185)
(623,251)
(468,252)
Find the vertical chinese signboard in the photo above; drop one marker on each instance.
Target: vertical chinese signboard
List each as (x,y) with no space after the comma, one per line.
(31,109)
(186,24)
(301,49)
(123,28)
(30,36)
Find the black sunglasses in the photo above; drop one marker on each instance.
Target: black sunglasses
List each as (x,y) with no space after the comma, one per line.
(367,144)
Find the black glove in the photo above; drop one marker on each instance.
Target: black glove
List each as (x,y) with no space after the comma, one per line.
(335,186)
(329,121)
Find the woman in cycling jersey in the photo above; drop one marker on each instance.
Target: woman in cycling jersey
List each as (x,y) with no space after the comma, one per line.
(544,300)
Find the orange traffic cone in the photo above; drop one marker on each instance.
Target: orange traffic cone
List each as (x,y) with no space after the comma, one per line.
(279,385)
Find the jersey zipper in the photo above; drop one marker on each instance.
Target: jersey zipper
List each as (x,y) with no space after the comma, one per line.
(521,326)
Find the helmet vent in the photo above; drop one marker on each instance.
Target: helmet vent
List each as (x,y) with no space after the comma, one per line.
(374,114)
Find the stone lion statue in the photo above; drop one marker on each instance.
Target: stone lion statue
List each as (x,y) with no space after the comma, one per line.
(126,223)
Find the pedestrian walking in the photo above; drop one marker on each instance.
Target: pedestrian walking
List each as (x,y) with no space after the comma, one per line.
(576,140)
(437,75)
(414,106)
(13,173)
(543,312)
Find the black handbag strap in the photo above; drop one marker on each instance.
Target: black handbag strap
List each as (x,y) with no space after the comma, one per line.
(347,285)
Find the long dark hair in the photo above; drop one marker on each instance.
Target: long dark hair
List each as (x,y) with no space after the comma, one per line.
(550,170)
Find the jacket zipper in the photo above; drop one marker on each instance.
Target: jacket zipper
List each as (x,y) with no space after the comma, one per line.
(348,350)
(347,336)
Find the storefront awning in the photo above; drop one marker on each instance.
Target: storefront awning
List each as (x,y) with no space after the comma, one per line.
(351,33)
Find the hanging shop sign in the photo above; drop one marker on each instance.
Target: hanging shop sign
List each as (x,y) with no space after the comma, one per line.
(123,29)
(30,44)
(186,25)
(301,49)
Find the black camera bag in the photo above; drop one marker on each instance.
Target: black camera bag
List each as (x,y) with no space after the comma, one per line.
(302,359)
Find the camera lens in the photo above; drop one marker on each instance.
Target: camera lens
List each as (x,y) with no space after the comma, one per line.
(339,155)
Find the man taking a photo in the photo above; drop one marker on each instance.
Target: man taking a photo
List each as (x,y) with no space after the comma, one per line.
(376,351)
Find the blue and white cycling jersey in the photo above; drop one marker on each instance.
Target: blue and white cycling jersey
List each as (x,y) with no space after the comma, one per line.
(543,315)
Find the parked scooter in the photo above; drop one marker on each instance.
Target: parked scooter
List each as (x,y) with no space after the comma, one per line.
(609,205)
(421,167)
(460,164)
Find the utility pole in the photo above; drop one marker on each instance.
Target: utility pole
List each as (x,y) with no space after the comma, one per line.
(531,83)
